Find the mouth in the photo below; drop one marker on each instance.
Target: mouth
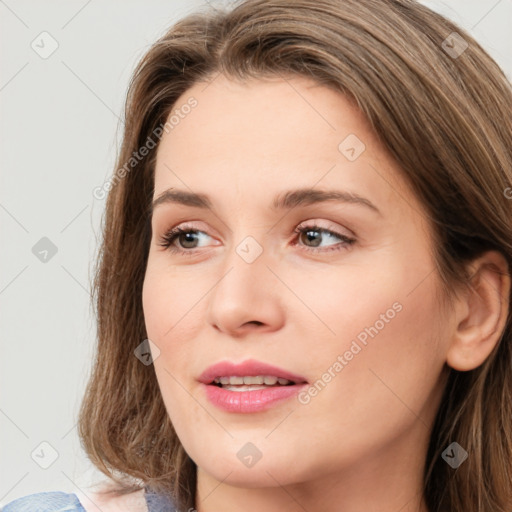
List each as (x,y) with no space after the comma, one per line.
(250,383)
(248,387)
(249,373)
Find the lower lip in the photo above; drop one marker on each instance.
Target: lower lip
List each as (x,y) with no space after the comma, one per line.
(250,401)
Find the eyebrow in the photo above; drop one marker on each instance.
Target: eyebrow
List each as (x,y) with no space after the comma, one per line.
(284,201)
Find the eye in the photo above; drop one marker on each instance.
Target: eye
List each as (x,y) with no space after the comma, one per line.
(313,234)
(186,236)
(308,234)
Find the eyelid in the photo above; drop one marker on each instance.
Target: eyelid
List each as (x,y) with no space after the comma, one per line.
(329,226)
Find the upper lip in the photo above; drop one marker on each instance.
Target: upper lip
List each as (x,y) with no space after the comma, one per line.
(249,368)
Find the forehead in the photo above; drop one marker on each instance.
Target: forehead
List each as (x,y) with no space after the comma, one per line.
(269,135)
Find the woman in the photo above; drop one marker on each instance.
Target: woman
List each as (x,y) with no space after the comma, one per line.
(303,292)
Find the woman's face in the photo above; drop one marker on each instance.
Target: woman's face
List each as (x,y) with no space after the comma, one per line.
(348,305)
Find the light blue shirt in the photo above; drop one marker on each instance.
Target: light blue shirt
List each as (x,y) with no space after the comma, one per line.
(57,501)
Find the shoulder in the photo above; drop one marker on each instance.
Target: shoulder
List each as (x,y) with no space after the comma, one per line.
(99,502)
(54,501)
(68,502)
(143,500)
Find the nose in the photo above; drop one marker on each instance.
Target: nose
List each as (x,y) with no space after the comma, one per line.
(248,296)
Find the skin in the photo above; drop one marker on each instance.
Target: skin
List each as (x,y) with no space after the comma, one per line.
(361,442)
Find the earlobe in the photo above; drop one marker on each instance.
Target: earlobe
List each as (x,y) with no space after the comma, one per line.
(482,312)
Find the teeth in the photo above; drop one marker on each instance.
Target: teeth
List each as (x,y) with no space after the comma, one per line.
(268,380)
(243,388)
(253,380)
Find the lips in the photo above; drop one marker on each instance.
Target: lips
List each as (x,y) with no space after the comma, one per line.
(249,368)
(236,388)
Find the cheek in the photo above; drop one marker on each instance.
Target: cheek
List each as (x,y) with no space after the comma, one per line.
(161,316)
(386,362)
(168,299)
(385,355)
(173,316)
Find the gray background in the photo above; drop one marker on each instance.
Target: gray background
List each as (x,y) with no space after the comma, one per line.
(59,131)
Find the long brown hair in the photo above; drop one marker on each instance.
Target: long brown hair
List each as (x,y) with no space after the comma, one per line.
(447,120)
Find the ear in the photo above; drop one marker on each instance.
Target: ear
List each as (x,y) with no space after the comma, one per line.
(482,312)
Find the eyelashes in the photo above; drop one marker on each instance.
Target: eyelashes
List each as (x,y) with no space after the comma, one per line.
(309,230)
(172,235)
(184,234)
